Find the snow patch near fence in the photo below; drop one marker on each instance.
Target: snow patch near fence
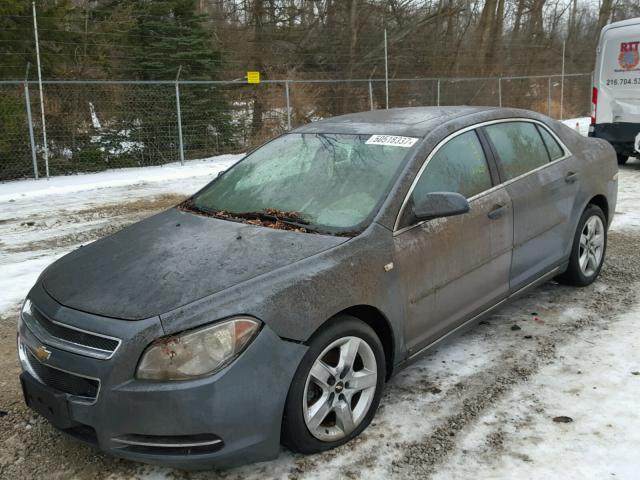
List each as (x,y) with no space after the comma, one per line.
(580,124)
(207,167)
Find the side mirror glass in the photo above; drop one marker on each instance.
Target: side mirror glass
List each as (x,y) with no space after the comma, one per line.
(440,204)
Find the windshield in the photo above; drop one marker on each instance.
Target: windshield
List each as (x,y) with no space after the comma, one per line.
(321,181)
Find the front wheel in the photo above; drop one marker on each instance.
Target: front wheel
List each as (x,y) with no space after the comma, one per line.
(336,389)
(588,250)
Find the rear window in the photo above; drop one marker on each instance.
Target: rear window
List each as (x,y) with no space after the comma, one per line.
(519,147)
(554,148)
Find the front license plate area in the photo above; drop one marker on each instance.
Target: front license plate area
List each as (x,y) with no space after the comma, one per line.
(47,402)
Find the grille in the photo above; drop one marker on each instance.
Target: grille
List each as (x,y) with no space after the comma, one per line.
(63,381)
(74,336)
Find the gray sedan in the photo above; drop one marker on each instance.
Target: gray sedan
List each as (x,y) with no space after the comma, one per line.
(271,307)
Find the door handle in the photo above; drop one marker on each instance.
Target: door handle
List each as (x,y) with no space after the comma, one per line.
(571,177)
(497,212)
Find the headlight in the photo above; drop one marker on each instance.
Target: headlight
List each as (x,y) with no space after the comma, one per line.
(26,308)
(198,352)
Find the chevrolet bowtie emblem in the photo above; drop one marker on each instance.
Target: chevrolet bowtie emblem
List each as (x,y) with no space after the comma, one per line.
(42,353)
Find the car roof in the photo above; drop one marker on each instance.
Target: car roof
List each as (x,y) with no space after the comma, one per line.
(411,121)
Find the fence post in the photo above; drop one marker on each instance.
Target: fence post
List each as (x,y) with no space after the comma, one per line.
(286,92)
(370,94)
(34,159)
(179,116)
(44,125)
(500,91)
(562,82)
(438,93)
(386,70)
(549,98)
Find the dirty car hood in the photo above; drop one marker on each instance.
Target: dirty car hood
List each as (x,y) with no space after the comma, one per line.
(170,260)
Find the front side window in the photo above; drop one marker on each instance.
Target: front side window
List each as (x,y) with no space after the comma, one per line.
(519,147)
(459,166)
(327,181)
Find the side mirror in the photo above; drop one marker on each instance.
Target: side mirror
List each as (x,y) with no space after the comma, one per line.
(440,204)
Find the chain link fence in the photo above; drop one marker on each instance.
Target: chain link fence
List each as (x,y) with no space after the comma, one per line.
(97,125)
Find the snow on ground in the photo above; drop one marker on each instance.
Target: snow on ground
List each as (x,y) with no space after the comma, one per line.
(116,178)
(596,384)
(628,208)
(580,124)
(481,406)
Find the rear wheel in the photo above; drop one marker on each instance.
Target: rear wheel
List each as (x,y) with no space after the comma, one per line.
(588,250)
(336,389)
(622,159)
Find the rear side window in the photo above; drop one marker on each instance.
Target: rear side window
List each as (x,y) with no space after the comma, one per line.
(555,150)
(519,147)
(459,166)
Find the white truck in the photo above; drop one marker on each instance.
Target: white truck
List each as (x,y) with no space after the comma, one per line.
(615,98)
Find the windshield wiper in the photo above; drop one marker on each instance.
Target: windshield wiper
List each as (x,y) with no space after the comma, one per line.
(189,204)
(272,215)
(285,217)
(269,217)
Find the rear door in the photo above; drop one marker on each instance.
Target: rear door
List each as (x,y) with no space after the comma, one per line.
(454,267)
(542,180)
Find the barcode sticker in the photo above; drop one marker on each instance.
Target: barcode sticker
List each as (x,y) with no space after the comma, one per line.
(391,140)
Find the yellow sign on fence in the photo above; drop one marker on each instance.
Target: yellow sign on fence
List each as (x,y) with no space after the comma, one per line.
(253,77)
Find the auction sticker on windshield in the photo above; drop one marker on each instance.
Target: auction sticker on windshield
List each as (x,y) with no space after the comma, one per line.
(391,140)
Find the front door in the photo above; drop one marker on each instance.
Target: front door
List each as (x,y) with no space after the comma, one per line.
(454,267)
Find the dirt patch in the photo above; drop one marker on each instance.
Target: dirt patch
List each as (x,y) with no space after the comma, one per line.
(107,219)
(128,208)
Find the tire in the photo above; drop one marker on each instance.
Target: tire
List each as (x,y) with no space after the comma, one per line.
(579,273)
(622,159)
(334,398)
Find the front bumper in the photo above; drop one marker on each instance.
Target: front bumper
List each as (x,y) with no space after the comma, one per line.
(230,418)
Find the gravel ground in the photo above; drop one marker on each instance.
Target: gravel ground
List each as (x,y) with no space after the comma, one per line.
(457,406)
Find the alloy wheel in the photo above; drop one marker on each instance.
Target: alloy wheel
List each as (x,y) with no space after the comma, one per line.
(340,388)
(591,246)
